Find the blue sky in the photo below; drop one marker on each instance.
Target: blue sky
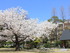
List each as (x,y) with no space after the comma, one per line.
(41,9)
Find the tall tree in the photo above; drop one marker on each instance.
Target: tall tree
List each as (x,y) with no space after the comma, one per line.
(54,18)
(69,14)
(54,11)
(62,15)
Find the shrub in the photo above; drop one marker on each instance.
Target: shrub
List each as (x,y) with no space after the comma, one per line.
(47,45)
(56,44)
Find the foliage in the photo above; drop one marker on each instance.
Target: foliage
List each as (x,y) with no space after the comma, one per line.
(47,45)
(55,19)
(14,22)
(56,44)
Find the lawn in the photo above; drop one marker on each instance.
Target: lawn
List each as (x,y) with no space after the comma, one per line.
(11,50)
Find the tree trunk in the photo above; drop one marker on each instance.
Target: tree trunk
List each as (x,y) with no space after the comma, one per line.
(64,44)
(17,43)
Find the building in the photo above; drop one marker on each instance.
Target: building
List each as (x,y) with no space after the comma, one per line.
(65,38)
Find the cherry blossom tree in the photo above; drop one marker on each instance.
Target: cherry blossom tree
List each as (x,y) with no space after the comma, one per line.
(17,28)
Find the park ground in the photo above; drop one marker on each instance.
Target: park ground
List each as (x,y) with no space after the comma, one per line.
(50,50)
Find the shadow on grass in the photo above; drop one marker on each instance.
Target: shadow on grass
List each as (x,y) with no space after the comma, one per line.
(7,49)
(12,50)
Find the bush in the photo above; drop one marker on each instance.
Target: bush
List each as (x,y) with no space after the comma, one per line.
(56,44)
(29,44)
(47,45)
(6,46)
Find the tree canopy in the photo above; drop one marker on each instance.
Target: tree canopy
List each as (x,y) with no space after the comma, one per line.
(17,28)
